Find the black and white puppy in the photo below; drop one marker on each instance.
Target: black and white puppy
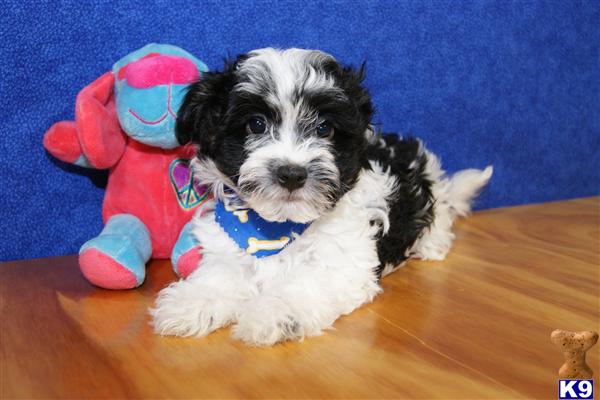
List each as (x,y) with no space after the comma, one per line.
(288,134)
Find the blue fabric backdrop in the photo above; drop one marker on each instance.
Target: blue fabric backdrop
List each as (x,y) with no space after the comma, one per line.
(513,84)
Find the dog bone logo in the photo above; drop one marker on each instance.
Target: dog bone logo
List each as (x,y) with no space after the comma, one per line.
(255,245)
(189,193)
(574,345)
(242,215)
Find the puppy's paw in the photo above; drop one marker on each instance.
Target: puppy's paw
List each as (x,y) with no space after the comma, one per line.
(266,321)
(182,309)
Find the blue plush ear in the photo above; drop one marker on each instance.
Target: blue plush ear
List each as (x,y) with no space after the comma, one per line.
(150,85)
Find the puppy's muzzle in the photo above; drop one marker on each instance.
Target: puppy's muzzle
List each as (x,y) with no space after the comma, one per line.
(291,176)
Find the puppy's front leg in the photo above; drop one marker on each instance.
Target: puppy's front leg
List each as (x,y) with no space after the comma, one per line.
(304,298)
(207,300)
(212,295)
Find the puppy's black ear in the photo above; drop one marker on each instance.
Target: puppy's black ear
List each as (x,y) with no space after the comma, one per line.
(202,110)
(351,80)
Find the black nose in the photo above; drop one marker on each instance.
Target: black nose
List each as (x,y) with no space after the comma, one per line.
(291,177)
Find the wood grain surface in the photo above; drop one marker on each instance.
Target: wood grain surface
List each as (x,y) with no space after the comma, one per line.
(476,325)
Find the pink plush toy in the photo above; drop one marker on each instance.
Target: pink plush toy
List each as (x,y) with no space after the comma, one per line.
(124,122)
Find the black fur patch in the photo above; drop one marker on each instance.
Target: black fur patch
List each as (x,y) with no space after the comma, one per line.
(411,205)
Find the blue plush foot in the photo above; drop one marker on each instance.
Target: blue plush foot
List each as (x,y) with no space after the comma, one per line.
(186,255)
(116,259)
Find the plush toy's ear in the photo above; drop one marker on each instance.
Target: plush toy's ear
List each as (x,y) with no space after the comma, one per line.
(98,128)
(203,108)
(95,138)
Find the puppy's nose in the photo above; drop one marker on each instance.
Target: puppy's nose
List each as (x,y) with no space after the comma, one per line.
(291,177)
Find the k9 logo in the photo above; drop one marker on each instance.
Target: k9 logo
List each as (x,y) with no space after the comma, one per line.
(575,389)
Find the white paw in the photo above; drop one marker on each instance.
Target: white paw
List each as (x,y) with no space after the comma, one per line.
(184,309)
(266,321)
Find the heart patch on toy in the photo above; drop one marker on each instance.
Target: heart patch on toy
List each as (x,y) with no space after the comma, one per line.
(189,193)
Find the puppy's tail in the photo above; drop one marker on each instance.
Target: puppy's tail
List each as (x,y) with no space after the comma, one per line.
(464,186)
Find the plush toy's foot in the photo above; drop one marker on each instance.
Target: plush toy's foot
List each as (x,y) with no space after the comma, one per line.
(102,270)
(186,254)
(188,262)
(116,259)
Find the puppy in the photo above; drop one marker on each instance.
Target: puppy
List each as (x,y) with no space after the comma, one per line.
(312,205)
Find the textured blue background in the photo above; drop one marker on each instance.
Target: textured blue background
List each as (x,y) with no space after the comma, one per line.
(514,84)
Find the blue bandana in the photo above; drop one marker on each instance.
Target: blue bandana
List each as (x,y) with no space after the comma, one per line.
(254,234)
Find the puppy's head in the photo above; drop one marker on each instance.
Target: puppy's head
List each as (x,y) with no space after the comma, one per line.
(285,129)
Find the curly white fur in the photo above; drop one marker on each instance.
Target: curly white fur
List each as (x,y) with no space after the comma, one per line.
(326,272)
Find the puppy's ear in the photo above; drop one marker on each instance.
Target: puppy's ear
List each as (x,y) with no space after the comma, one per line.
(351,80)
(203,108)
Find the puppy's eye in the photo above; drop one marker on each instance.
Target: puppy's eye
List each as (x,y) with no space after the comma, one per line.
(257,125)
(324,129)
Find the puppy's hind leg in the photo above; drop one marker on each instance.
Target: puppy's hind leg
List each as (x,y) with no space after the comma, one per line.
(452,198)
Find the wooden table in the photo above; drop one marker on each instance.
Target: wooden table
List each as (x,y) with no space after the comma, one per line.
(476,325)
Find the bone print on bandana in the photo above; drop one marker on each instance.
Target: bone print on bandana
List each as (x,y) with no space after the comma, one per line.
(254,234)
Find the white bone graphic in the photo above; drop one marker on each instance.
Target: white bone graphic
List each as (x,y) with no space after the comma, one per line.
(255,245)
(242,215)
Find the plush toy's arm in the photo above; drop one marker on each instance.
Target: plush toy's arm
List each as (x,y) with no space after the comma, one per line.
(62,142)
(95,138)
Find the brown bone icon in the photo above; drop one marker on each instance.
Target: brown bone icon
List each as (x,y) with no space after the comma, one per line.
(574,346)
